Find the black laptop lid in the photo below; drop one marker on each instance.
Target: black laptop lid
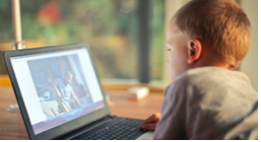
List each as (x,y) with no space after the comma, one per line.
(57,89)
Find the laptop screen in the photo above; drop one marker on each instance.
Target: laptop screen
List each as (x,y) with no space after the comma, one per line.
(57,87)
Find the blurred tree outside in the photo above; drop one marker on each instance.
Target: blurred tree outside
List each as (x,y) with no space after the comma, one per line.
(108,26)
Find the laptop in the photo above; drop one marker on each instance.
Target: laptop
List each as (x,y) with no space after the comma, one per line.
(60,97)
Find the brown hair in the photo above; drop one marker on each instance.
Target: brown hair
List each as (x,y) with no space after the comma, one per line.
(220,24)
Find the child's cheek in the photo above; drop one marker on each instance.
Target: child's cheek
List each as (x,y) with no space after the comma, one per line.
(167,64)
(169,68)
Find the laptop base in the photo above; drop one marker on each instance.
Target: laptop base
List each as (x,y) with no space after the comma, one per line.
(111,128)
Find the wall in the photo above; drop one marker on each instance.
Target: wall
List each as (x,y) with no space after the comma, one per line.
(250,64)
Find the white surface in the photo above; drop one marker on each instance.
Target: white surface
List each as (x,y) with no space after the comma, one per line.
(90,76)
(146,136)
(138,92)
(28,91)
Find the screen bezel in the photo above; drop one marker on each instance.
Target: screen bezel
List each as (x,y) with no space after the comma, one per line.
(64,128)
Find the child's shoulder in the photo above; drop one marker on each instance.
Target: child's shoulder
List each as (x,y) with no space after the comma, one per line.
(211,74)
(207,97)
(215,79)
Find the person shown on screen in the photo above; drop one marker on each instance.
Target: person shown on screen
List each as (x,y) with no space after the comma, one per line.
(69,95)
(68,100)
(207,40)
(56,82)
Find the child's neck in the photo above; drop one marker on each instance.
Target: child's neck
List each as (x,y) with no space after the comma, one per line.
(213,60)
(212,64)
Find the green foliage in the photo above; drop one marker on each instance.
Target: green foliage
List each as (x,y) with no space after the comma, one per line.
(157,45)
(6,26)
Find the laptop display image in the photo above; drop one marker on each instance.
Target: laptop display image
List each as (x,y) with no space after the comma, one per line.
(60,96)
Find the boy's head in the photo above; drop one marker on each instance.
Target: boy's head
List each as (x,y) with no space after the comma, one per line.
(68,77)
(207,33)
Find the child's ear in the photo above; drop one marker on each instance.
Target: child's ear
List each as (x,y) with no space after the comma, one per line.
(194,50)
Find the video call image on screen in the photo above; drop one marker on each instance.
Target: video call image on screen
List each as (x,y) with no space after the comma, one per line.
(60,87)
(55,87)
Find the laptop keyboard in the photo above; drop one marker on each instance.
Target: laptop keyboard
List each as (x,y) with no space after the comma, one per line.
(126,129)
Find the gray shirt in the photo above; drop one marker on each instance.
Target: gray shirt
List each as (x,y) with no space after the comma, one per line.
(209,103)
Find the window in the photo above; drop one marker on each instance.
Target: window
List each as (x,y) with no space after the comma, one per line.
(110,28)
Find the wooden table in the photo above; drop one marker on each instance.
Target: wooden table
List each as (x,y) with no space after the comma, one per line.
(12,125)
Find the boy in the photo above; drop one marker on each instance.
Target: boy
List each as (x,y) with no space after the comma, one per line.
(207,40)
(66,96)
